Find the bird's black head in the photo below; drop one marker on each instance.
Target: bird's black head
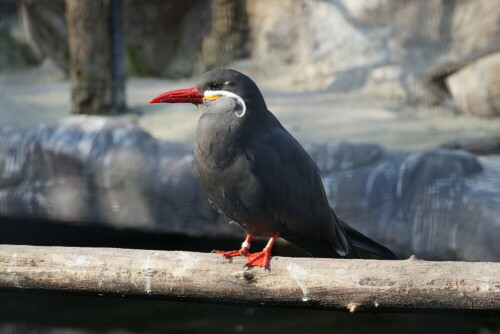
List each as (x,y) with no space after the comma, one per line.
(231,84)
(216,84)
(230,81)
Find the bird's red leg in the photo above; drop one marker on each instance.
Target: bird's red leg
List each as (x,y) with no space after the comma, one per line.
(245,246)
(261,259)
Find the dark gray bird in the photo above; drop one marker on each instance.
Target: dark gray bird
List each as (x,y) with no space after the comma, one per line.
(256,174)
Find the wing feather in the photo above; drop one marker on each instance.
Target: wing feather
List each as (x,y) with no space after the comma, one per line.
(293,190)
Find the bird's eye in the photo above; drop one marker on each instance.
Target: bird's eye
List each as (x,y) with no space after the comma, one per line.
(215,86)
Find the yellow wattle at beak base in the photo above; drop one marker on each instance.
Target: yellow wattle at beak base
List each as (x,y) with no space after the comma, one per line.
(211,97)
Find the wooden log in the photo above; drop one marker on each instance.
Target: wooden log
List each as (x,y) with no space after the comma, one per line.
(356,285)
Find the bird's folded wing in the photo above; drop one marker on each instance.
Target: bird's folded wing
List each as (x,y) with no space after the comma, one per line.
(293,190)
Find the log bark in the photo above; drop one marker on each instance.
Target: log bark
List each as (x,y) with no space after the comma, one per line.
(336,284)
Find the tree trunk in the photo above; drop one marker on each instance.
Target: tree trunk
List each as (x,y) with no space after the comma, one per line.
(91,69)
(118,71)
(228,34)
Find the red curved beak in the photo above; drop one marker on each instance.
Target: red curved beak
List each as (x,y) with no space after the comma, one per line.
(189,95)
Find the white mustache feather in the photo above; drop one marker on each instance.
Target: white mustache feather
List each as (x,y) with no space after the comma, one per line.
(209,93)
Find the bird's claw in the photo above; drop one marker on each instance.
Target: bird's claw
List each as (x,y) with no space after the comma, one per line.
(259,259)
(228,254)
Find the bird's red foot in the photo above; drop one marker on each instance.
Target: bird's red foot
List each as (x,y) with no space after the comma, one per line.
(259,259)
(230,254)
(245,246)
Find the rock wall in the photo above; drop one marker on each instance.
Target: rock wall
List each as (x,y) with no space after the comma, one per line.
(476,87)
(165,38)
(12,55)
(397,48)
(438,204)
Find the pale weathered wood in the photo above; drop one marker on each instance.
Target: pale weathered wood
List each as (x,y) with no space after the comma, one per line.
(355,285)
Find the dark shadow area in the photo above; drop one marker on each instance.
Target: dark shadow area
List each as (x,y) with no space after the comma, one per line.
(97,314)
(40,232)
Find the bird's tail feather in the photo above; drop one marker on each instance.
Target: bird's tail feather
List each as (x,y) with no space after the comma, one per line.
(358,245)
(366,248)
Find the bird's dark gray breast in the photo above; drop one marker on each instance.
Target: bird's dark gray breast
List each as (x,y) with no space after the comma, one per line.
(224,166)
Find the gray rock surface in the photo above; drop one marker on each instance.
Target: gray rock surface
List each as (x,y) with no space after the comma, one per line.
(395,48)
(400,49)
(476,87)
(159,35)
(437,204)
(104,171)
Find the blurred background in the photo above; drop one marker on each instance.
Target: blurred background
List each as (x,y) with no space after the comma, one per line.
(398,102)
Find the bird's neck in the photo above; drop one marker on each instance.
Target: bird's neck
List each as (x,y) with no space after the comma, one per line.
(218,139)
(221,136)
